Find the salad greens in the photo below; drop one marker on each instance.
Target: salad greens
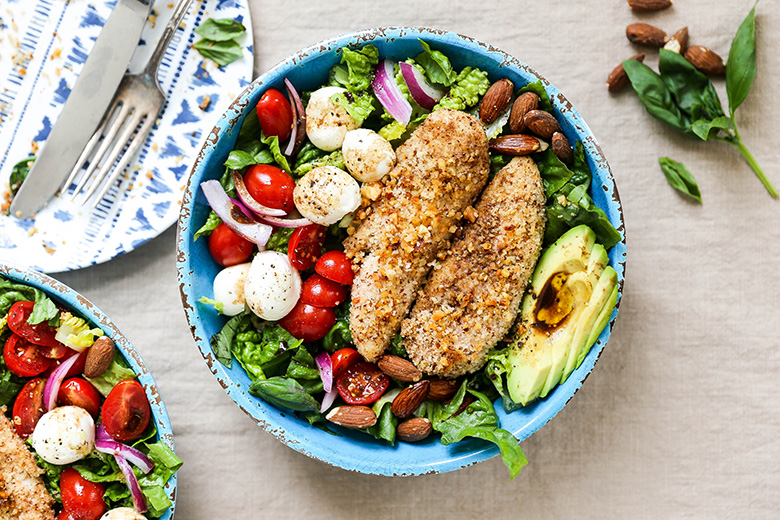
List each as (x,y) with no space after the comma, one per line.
(219,40)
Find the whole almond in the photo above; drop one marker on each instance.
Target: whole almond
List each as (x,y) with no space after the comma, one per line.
(410,399)
(679,42)
(706,60)
(649,6)
(520,144)
(541,123)
(442,389)
(413,430)
(352,416)
(496,100)
(524,103)
(562,148)
(99,357)
(618,78)
(646,34)
(399,368)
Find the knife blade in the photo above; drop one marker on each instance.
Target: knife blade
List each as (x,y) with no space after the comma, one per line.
(87,102)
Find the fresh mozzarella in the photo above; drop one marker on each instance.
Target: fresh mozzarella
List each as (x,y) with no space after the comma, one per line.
(229,288)
(64,435)
(367,155)
(272,285)
(326,122)
(326,194)
(123,513)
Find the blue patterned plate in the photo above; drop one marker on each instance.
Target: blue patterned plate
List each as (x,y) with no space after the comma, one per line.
(43,45)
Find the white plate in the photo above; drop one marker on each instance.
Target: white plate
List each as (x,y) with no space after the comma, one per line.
(43,45)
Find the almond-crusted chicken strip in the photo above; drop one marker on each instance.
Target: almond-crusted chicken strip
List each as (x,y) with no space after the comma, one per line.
(441,169)
(23,495)
(473,297)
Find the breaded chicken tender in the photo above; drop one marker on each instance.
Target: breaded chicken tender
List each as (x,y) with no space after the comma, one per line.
(23,495)
(471,300)
(440,170)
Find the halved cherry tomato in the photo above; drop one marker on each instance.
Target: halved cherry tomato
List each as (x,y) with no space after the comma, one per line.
(270,186)
(57,352)
(342,359)
(275,114)
(306,245)
(227,248)
(39,334)
(23,358)
(28,407)
(80,392)
(334,265)
(80,497)
(307,322)
(126,411)
(75,370)
(362,383)
(321,292)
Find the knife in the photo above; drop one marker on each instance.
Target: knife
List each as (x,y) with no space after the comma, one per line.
(83,110)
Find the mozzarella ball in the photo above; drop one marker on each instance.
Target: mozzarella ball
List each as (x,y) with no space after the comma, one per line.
(64,435)
(272,285)
(326,194)
(229,288)
(326,122)
(367,155)
(123,513)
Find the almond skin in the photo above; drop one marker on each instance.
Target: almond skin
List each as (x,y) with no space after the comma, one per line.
(541,123)
(413,430)
(99,357)
(442,389)
(524,103)
(618,79)
(706,60)
(410,399)
(646,34)
(649,6)
(520,144)
(679,42)
(496,100)
(352,416)
(399,368)
(562,148)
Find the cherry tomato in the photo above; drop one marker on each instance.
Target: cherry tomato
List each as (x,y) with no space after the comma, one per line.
(275,114)
(342,359)
(40,334)
(321,292)
(75,370)
(23,358)
(67,515)
(305,245)
(227,248)
(80,497)
(80,392)
(270,186)
(362,383)
(28,407)
(126,411)
(334,265)
(307,322)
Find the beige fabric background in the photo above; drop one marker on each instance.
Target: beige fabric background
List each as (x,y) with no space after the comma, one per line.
(680,418)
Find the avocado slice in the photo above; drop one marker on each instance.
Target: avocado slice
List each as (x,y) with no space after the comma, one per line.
(600,323)
(530,363)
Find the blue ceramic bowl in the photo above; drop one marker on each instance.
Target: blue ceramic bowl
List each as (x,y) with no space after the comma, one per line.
(308,69)
(61,293)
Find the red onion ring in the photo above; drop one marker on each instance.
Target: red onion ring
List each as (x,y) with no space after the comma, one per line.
(423,93)
(299,120)
(325,367)
(250,202)
(105,444)
(52,387)
(388,93)
(139,501)
(233,216)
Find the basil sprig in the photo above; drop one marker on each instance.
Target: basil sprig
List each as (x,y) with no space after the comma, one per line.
(219,40)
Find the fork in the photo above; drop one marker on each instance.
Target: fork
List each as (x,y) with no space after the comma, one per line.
(133,111)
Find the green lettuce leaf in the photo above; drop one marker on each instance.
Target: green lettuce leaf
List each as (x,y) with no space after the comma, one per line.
(19,173)
(572,206)
(75,332)
(218,306)
(360,66)
(436,65)
(360,105)
(332,159)
(273,144)
(115,373)
(470,85)
(279,240)
(538,89)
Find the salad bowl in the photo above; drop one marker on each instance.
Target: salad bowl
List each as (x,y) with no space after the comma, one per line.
(308,69)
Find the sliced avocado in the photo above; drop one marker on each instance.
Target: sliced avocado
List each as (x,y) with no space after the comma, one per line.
(597,261)
(568,254)
(530,363)
(601,322)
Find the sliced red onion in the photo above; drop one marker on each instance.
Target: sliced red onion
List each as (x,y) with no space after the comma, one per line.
(233,216)
(299,118)
(246,211)
(139,500)
(250,201)
(52,387)
(388,93)
(324,365)
(423,93)
(285,222)
(105,444)
(327,401)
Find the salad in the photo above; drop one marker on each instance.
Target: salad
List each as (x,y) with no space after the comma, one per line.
(309,168)
(76,409)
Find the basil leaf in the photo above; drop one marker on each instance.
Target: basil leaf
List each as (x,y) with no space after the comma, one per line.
(222,340)
(555,174)
(705,129)
(220,30)
(538,89)
(339,336)
(692,90)
(222,52)
(238,159)
(386,424)
(572,206)
(286,393)
(741,63)
(19,173)
(580,172)
(436,66)
(655,95)
(680,178)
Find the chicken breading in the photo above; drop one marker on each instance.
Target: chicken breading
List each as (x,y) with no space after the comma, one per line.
(471,300)
(23,495)
(440,170)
